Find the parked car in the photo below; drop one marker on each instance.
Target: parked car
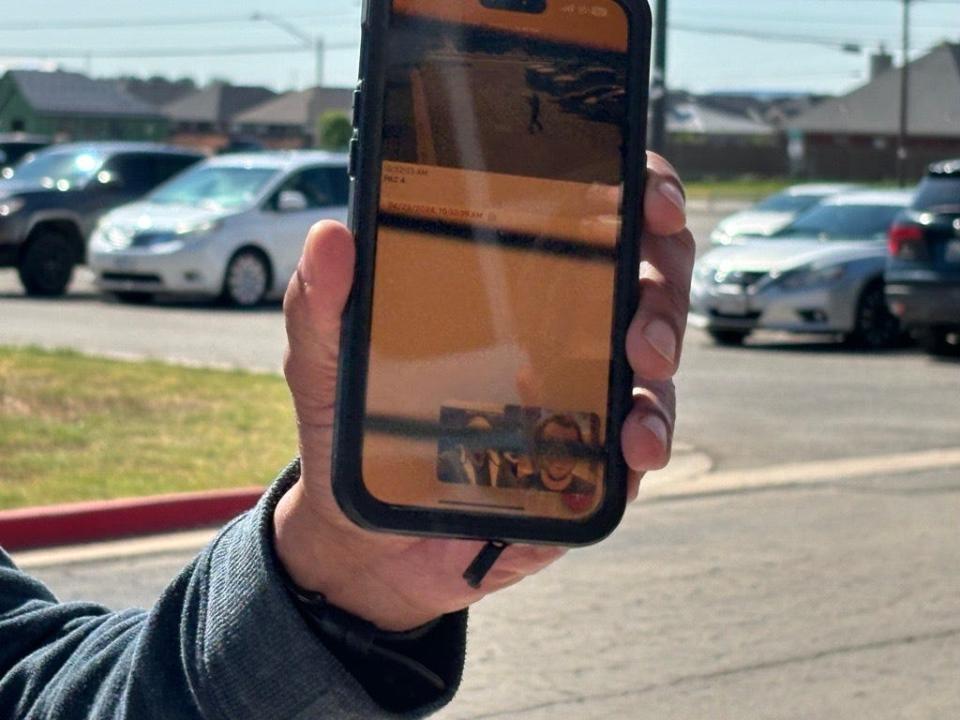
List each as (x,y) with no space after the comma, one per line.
(821,274)
(50,204)
(775,212)
(232,227)
(13,146)
(923,268)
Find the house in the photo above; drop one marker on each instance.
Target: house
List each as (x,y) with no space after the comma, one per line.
(706,141)
(72,106)
(290,121)
(203,119)
(856,136)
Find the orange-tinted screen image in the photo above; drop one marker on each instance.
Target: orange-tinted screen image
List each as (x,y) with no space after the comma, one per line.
(495,261)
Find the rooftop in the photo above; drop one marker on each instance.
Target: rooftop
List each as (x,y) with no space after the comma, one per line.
(77,94)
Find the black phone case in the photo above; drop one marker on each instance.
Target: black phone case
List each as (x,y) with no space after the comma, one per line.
(365,161)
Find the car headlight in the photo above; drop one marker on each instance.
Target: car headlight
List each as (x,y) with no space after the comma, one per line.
(183,230)
(809,276)
(10,206)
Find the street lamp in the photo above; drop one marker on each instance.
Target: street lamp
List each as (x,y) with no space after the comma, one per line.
(315,43)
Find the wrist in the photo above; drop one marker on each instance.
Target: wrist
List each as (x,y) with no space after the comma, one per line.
(341,563)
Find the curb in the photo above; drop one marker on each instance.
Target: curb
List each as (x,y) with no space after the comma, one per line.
(74,523)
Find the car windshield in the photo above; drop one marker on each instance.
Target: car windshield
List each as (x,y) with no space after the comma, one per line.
(215,187)
(60,169)
(938,194)
(843,222)
(785,202)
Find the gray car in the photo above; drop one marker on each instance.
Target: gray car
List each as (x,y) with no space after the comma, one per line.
(774,213)
(821,274)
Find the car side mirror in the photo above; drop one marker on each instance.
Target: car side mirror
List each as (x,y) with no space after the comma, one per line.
(291,201)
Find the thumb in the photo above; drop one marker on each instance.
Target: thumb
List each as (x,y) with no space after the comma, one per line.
(312,307)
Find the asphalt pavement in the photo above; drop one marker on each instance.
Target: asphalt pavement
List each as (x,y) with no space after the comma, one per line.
(798,560)
(841,601)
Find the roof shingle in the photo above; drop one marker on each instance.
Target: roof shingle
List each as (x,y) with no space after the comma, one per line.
(74,93)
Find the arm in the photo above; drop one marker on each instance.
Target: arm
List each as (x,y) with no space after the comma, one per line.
(224,641)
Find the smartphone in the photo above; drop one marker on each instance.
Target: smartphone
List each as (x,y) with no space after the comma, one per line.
(498,165)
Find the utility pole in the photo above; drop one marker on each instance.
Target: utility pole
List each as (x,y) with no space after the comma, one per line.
(902,154)
(658,89)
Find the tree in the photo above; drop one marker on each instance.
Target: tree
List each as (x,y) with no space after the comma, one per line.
(334,131)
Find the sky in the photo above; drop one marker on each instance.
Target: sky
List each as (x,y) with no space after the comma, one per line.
(701,56)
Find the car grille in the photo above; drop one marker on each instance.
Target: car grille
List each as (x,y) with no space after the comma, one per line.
(133,277)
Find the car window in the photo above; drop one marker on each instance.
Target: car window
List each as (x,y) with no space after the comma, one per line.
(168,165)
(843,222)
(938,193)
(215,187)
(784,202)
(321,186)
(136,171)
(60,168)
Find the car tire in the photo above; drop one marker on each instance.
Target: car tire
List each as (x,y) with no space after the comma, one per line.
(729,338)
(936,342)
(134,298)
(247,279)
(46,266)
(876,327)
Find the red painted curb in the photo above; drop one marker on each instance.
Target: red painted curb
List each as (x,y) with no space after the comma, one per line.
(103,520)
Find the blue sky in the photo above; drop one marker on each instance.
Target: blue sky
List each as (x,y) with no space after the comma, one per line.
(697,61)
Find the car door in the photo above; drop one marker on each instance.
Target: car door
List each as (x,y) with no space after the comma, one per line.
(324,191)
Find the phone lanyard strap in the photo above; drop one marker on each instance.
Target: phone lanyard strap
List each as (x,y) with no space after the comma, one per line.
(484,561)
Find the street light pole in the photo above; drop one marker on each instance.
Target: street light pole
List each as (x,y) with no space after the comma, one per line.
(315,43)
(902,154)
(658,89)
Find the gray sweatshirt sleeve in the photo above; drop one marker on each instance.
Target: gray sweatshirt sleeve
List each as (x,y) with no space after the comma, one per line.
(224,642)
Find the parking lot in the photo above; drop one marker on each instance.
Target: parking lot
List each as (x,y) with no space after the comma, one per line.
(807,570)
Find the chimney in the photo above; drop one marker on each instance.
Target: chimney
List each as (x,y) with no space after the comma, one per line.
(880,62)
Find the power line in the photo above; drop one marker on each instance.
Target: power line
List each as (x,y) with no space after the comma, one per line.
(170,52)
(158,21)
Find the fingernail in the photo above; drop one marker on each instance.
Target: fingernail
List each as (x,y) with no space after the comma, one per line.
(656,425)
(672,193)
(662,338)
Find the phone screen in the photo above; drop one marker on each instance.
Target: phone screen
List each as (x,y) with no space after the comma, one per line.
(494,277)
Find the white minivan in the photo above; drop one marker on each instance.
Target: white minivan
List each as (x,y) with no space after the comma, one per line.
(231,227)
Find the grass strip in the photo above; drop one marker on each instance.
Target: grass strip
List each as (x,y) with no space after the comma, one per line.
(76,428)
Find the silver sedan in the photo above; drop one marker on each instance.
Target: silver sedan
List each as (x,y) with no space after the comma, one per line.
(823,273)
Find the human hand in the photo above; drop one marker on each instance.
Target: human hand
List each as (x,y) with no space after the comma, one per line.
(399,582)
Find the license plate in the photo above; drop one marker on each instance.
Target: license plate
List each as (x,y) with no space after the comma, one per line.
(952,254)
(731,300)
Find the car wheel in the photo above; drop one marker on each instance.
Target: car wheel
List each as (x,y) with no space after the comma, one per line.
(936,341)
(247,279)
(134,298)
(876,327)
(729,338)
(46,266)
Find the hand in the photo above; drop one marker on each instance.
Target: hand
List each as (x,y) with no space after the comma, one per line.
(400,582)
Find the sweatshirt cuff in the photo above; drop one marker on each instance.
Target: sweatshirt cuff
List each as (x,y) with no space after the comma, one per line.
(260,658)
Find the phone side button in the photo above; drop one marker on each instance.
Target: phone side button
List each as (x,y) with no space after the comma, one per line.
(356,107)
(354,156)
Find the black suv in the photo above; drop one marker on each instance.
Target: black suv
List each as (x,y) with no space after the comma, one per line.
(14,146)
(53,199)
(923,266)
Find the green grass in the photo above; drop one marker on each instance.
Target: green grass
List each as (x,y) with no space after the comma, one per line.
(78,428)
